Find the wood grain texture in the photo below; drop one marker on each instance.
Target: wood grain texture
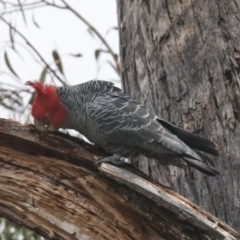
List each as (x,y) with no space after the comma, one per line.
(49,183)
(182,60)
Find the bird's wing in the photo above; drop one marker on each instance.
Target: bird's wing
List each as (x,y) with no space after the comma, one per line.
(192,140)
(124,121)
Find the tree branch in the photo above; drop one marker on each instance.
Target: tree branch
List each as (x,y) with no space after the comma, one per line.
(90,26)
(34,49)
(49,183)
(16,7)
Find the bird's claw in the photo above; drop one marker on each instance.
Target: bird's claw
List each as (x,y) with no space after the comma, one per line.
(115,160)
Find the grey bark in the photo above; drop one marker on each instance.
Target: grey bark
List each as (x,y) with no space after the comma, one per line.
(182,60)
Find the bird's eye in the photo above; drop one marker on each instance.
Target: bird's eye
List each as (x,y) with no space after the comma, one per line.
(46,118)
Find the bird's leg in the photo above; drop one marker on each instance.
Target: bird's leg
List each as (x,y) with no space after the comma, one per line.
(115,160)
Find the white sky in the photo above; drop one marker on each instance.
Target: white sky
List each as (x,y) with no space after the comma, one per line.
(61,30)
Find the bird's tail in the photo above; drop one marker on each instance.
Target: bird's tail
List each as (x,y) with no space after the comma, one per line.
(192,140)
(205,166)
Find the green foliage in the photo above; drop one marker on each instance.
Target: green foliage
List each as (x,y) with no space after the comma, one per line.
(57,61)
(9,65)
(43,75)
(10,231)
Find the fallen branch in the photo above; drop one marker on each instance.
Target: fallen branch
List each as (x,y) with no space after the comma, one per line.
(49,183)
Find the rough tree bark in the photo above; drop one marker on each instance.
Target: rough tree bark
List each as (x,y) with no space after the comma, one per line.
(182,60)
(48,183)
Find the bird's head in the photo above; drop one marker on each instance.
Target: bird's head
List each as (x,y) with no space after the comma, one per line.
(47,108)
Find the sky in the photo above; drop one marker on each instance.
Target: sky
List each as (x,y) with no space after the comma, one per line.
(60,30)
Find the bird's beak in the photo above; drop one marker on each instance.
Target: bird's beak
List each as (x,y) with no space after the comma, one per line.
(39,125)
(52,128)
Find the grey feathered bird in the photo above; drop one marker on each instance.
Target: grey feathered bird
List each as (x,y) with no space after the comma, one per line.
(113,120)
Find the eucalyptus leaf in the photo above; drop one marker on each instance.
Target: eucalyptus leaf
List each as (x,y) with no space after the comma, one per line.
(76,55)
(9,64)
(11,37)
(43,75)
(57,61)
(97,53)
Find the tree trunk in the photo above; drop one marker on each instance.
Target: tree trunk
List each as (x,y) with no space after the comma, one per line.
(182,60)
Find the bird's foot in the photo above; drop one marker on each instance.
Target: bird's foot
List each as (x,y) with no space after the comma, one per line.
(116,160)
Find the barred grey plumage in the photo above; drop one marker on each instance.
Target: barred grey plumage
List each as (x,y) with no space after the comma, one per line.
(113,120)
